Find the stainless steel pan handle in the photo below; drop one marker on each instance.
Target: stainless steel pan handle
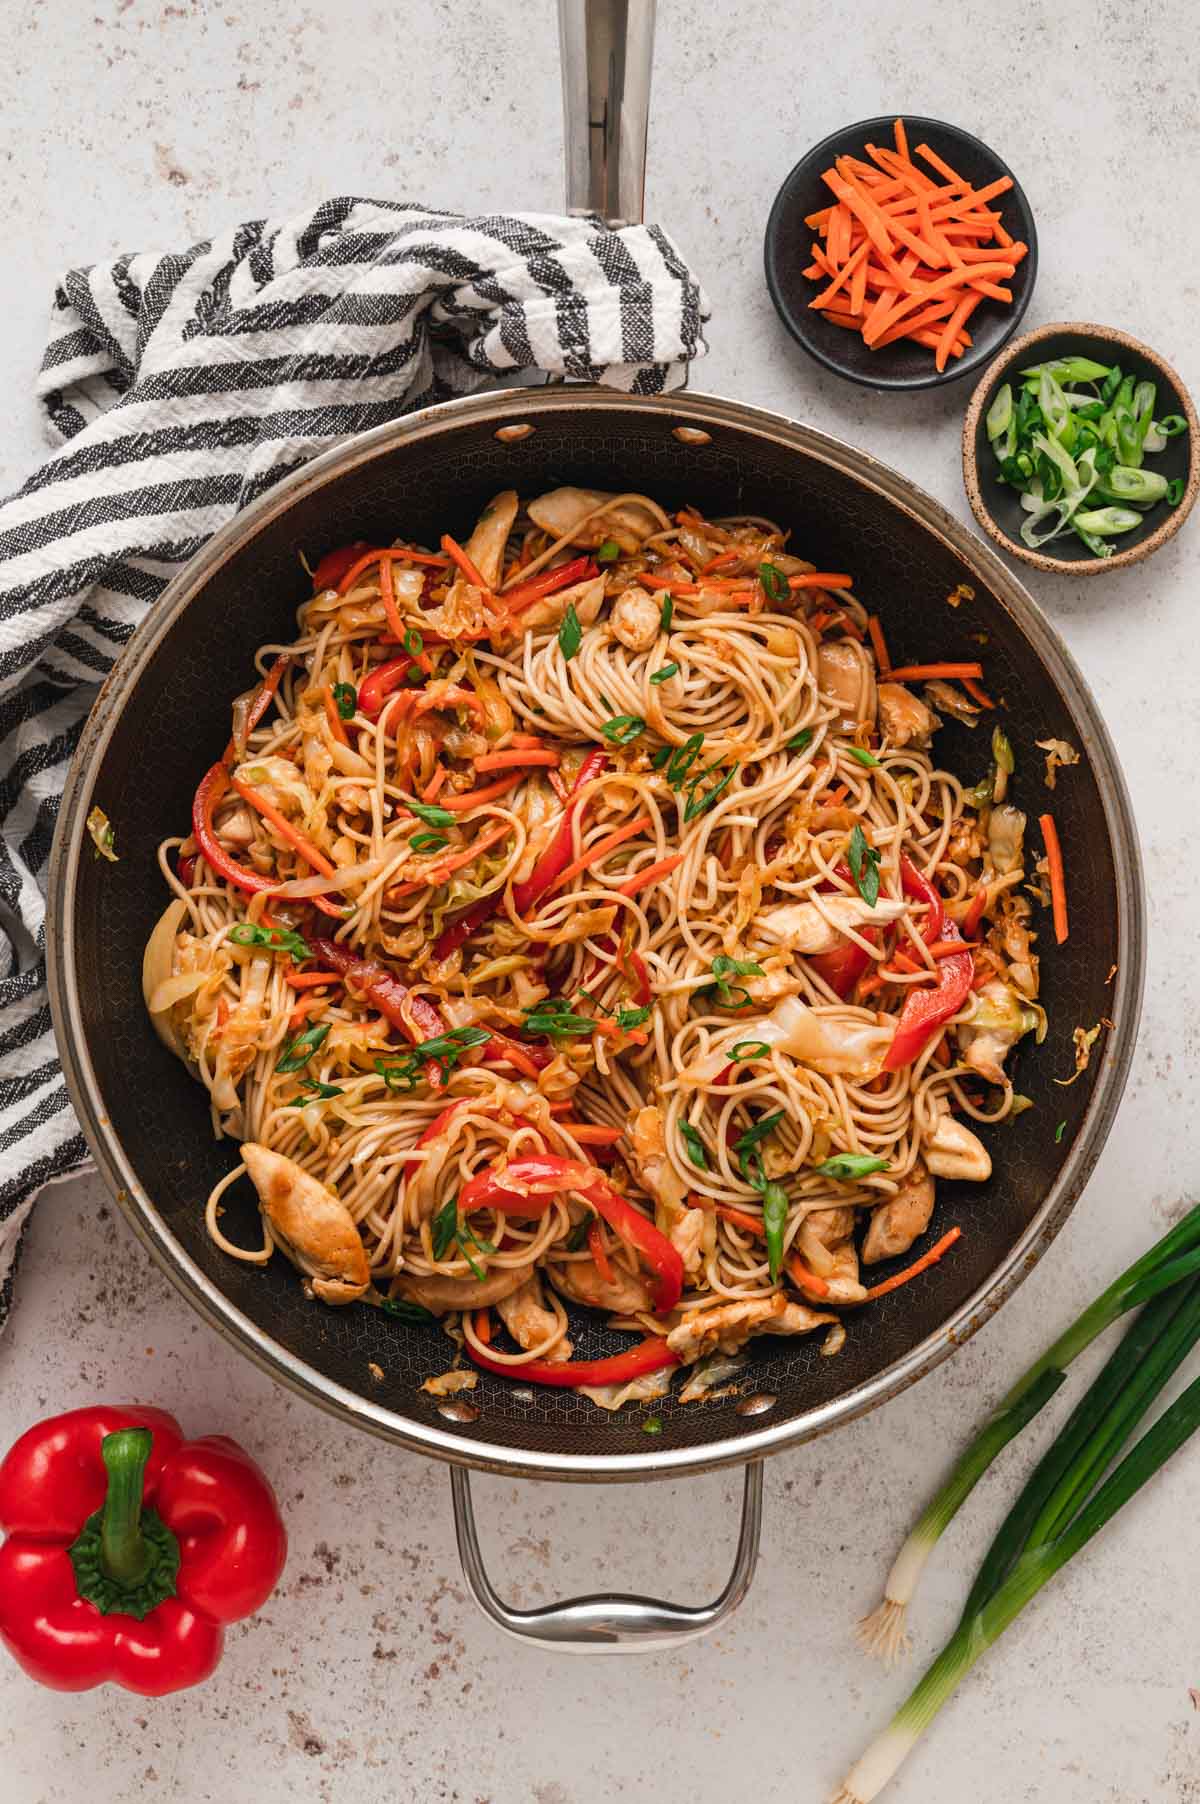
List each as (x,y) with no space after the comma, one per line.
(608,1622)
(607,48)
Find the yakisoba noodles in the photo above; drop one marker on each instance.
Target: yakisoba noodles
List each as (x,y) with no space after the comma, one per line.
(577,916)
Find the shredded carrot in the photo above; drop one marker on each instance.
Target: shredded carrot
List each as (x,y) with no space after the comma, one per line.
(601,849)
(806,1278)
(749,1224)
(521,757)
(913,672)
(333,717)
(651,874)
(878,644)
(448,866)
(976,693)
(483,1326)
(590,1133)
(654,581)
(719,562)
(599,1253)
(457,804)
(1058,881)
(916,1268)
(387,590)
(435,783)
(821,579)
(455,552)
(310,980)
(299,841)
(895,241)
(529,739)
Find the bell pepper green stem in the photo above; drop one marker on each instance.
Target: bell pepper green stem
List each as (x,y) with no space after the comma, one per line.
(124,1554)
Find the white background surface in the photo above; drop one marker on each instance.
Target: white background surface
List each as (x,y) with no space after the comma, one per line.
(369,1677)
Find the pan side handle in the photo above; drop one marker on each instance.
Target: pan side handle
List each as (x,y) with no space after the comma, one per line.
(607,48)
(608,1622)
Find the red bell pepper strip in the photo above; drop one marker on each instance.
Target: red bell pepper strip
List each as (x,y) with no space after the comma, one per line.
(413,1015)
(185,870)
(214,784)
(462,927)
(335,564)
(129,1549)
(380,682)
(650,1355)
(844,965)
(920,889)
(527,1059)
(549,583)
(924,1009)
(528,1186)
(557,856)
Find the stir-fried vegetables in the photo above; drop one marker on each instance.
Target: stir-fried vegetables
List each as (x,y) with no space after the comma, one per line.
(1075,432)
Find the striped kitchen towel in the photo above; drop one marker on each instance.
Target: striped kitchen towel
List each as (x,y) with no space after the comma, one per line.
(178,387)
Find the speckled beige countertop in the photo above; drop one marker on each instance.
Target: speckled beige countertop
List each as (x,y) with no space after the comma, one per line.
(369,1678)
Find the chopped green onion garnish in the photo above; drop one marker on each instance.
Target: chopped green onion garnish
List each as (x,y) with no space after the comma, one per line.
(431,814)
(346,697)
(623,729)
(666,613)
(774,582)
(570,633)
(862,757)
(428,842)
(748,1049)
(801,742)
(631,1017)
(297,1052)
(695,1145)
(1172,425)
(404,1311)
(1059,1131)
(414,645)
(863,860)
(312,1091)
(276,939)
(667,670)
(1175,491)
(652,1425)
(608,552)
(845,1168)
(683,758)
(775,1208)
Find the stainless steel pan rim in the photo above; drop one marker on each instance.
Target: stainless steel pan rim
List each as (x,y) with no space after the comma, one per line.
(708,413)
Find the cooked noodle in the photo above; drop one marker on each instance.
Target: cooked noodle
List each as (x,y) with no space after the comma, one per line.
(730,923)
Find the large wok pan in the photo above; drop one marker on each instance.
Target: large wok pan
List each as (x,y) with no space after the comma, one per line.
(167,704)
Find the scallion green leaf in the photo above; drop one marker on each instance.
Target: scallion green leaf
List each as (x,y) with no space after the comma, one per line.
(774,582)
(801,742)
(863,860)
(775,1206)
(623,729)
(607,552)
(861,756)
(276,939)
(297,1052)
(666,613)
(847,1168)
(431,814)
(661,675)
(570,633)
(345,696)
(695,1145)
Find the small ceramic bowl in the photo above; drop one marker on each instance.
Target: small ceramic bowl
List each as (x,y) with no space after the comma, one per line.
(787,253)
(998,507)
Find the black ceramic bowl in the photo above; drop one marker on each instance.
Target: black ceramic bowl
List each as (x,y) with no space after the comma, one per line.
(787,253)
(998,507)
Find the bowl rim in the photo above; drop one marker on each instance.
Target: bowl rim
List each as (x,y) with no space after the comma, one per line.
(503,408)
(934,378)
(1042,560)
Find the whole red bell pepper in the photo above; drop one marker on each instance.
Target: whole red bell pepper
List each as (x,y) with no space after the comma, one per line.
(129,1549)
(527,1187)
(925,1009)
(650,1355)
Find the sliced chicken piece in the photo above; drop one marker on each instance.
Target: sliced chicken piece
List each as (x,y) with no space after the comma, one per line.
(314,1229)
(904,718)
(580,1282)
(846,676)
(440,1295)
(730,1325)
(810,928)
(530,1323)
(237,829)
(572,513)
(485,547)
(999,1021)
(448,1384)
(829,1227)
(636,619)
(953,1151)
(898,1222)
(838,1279)
(951,700)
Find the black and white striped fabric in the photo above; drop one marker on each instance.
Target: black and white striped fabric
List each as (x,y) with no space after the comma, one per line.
(179,386)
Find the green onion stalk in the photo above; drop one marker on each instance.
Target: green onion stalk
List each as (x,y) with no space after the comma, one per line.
(1064,1503)
(1176,1256)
